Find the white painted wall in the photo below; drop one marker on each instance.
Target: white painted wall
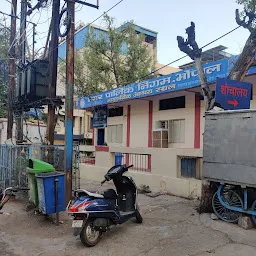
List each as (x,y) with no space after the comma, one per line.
(30,130)
(139,123)
(187,113)
(116,121)
(165,172)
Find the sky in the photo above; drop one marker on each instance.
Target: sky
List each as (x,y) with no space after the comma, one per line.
(167,17)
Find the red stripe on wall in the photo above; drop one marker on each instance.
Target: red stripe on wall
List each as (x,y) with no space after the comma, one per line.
(127,160)
(128,125)
(197,134)
(150,123)
(102,148)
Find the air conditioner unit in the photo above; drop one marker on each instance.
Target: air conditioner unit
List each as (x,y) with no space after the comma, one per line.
(160,138)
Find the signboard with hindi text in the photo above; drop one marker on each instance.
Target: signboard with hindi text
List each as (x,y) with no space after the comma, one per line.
(232,94)
(100,117)
(181,80)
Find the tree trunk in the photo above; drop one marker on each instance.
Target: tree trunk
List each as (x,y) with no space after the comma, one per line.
(245,59)
(206,91)
(208,191)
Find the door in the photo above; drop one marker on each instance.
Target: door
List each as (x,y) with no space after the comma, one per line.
(101,137)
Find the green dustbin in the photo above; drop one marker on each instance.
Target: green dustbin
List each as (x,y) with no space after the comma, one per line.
(36,166)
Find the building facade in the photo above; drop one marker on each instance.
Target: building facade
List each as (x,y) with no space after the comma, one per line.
(82,118)
(157,125)
(32,132)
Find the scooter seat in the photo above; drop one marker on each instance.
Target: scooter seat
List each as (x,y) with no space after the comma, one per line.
(110,194)
(88,193)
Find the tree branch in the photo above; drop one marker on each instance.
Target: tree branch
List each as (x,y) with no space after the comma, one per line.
(190,47)
(245,59)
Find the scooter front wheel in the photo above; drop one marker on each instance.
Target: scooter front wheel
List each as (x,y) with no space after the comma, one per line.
(89,236)
(138,216)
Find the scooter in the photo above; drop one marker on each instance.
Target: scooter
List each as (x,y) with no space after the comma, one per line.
(95,213)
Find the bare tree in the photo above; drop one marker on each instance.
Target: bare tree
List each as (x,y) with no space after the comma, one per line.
(190,47)
(247,20)
(246,58)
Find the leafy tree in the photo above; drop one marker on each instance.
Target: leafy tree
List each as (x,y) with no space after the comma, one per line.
(249,5)
(4,47)
(3,99)
(110,59)
(4,40)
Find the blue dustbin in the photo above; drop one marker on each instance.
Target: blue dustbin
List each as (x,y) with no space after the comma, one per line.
(118,158)
(46,183)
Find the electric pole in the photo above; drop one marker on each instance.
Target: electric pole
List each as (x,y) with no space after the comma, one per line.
(34,42)
(11,70)
(69,101)
(22,55)
(53,58)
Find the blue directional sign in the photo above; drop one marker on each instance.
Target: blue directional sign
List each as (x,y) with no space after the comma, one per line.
(232,94)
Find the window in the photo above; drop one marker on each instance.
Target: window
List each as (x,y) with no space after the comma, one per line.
(90,123)
(81,125)
(115,133)
(188,167)
(161,125)
(172,103)
(176,131)
(119,111)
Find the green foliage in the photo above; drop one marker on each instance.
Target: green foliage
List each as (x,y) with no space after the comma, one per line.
(4,47)
(103,64)
(248,4)
(3,99)
(4,40)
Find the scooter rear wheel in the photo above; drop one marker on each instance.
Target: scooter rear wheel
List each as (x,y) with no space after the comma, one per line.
(89,236)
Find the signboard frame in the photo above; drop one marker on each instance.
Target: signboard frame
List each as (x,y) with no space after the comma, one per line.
(232,95)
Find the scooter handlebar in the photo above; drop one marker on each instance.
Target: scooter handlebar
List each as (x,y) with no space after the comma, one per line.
(129,166)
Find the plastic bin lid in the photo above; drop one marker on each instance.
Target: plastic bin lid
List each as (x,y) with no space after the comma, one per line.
(49,174)
(38,166)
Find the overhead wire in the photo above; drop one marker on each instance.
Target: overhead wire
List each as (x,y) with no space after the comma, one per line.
(94,20)
(178,59)
(172,62)
(88,25)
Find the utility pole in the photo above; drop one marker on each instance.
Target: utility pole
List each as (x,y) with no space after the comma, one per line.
(69,101)
(22,55)
(11,70)
(34,42)
(53,58)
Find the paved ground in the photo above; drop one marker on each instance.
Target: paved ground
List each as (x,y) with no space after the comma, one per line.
(171,227)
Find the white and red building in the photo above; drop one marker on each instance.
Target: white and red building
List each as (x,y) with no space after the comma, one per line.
(158,127)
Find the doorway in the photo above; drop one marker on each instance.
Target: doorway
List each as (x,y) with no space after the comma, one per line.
(101,137)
